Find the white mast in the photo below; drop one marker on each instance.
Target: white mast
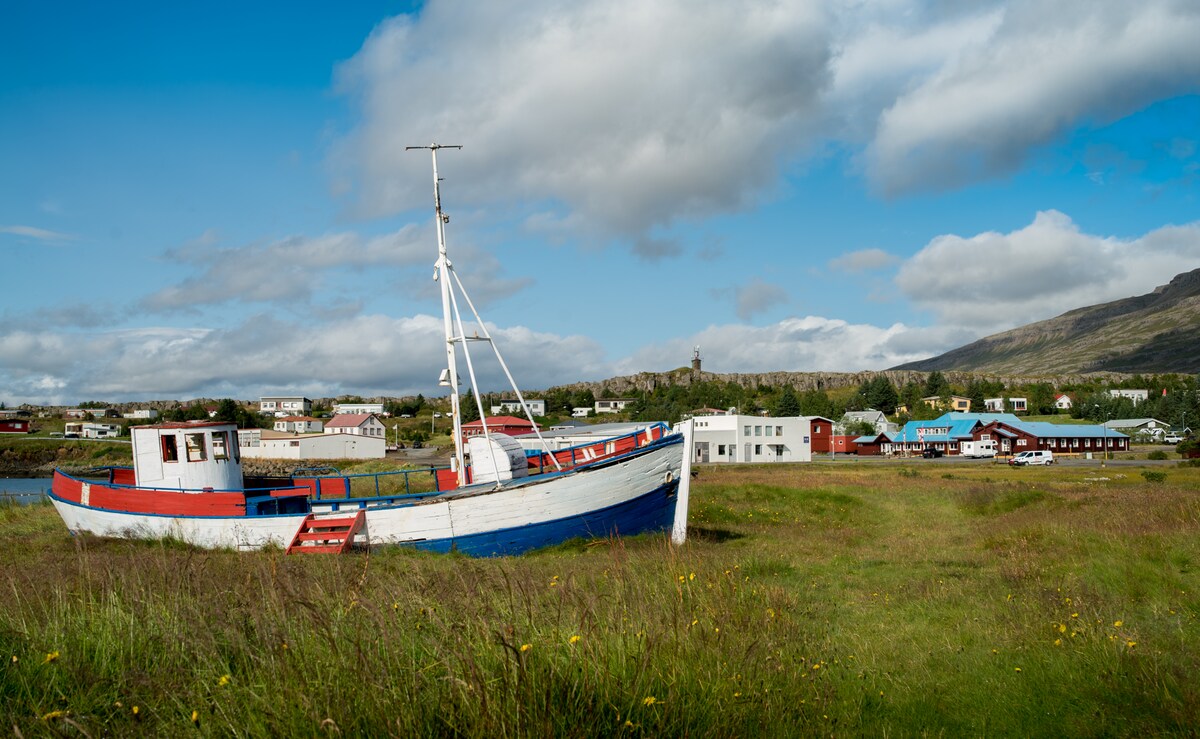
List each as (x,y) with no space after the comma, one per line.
(446,278)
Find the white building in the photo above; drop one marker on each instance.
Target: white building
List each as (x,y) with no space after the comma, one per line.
(299,425)
(142,414)
(739,438)
(537,407)
(357,409)
(290,405)
(1063,402)
(612,405)
(1137,396)
(996,405)
(358,424)
(277,445)
(88,430)
(877,419)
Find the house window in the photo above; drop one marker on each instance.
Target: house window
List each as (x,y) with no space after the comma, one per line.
(170,451)
(1020,442)
(817,429)
(745,431)
(220,445)
(770,430)
(720,450)
(758,449)
(196,450)
(758,430)
(985,437)
(779,430)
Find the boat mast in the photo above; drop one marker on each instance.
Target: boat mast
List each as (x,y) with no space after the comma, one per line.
(442,275)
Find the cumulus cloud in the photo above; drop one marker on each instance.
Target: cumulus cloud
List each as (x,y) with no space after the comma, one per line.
(632,114)
(994,281)
(864,260)
(1041,71)
(370,354)
(807,344)
(593,112)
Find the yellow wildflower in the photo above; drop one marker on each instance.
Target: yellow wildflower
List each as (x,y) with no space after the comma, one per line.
(136,710)
(649,700)
(575,639)
(1118,624)
(224,680)
(50,657)
(196,718)
(1062,628)
(692,576)
(1074,615)
(54,714)
(526,647)
(1018,669)
(1131,644)
(1058,642)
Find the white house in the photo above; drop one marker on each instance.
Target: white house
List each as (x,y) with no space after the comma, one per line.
(1137,396)
(277,445)
(357,409)
(612,405)
(739,438)
(537,407)
(92,430)
(1063,402)
(876,418)
(1015,405)
(291,405)
(142,414)
(359,424)
(299,425)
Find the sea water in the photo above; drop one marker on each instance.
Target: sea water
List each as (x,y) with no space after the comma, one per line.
(23,489)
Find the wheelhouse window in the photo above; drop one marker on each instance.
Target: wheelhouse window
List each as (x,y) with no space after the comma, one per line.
(221,445)
(170,450)
(196,449)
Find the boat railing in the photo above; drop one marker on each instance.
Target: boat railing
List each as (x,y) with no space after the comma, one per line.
(594,451)
(327,482)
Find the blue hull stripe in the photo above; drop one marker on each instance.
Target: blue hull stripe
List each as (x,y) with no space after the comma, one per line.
(654,511)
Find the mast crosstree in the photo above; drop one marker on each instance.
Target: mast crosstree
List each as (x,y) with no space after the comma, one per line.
(455,333)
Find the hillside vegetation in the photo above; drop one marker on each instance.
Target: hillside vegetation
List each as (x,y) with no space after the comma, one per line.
(1157,332)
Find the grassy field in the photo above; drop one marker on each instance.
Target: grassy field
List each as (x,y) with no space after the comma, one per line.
(810,600)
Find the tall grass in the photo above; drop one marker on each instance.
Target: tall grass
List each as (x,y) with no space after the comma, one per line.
(808,600)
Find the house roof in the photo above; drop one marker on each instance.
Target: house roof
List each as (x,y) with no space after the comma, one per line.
(956,429)
(1132,423)
(1044,430)
(293,419)
(349,420)
(984,418)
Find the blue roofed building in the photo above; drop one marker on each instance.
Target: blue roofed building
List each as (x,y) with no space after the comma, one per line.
(1010,433)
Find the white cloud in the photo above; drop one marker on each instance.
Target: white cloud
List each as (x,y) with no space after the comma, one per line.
(1046,68)
(33,232)
(993,281)
(363,354)
(633,114)
(864,260)
(808,344)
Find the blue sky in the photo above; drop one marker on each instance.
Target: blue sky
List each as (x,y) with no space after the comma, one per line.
(215,200)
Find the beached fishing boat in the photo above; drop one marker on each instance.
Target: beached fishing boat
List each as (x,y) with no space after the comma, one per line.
(495,499)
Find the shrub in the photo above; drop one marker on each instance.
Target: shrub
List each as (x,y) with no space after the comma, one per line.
(1157,454)
(1154,475)
(1189,448)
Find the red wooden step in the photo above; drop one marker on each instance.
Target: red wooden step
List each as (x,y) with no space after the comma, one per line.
(337,533)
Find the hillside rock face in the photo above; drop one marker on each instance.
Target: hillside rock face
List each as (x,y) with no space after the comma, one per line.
(1154,333)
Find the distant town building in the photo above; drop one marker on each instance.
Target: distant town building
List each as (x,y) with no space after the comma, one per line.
(741,438)
(612,405)
(359,424)
(267,444)
(996,405)
(537,407)
(1063,402)
(14,425)
(90,430)
(285,405)
(142,414)
(1137,396)
(92,412)
(299,425)
(507,425)
(954,402)
(357,409)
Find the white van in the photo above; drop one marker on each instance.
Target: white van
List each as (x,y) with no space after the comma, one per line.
(977,449)
(1041,456)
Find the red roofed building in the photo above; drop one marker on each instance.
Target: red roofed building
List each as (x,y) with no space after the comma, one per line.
(363,424)
(507,425)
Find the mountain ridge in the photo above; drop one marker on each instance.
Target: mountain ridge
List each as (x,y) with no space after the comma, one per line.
(1158,332)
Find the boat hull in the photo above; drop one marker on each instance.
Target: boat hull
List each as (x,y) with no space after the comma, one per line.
(625,495)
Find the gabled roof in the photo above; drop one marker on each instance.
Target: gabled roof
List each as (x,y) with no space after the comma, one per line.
(349,420)
(1131,423)
(1044,430)
(984,418)
(956,429)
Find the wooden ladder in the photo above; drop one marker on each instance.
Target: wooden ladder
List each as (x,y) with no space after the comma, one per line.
(327,534)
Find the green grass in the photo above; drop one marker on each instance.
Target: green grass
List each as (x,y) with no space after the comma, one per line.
(809,599)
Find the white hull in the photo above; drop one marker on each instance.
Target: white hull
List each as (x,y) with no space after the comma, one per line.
(632,493)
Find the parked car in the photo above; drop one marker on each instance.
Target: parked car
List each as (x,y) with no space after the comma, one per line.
(1172,439)
(1041,456)
(931,452)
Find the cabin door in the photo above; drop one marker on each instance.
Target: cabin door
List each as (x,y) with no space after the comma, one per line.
(747,451)
(701,451)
